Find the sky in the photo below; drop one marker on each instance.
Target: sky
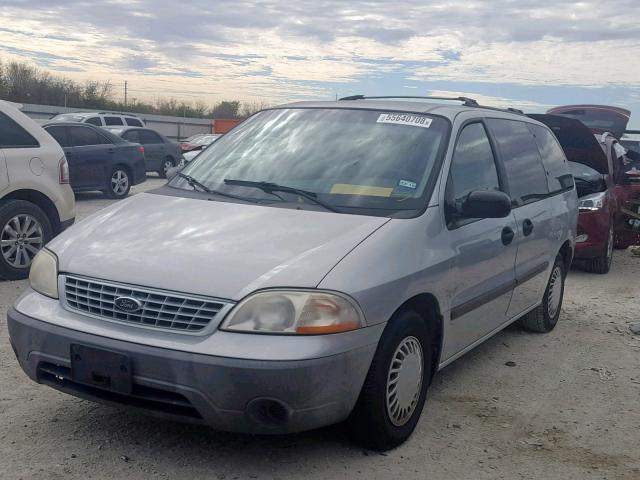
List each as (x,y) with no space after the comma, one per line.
(524,53)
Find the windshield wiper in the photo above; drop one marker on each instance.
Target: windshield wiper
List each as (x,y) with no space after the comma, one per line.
(195,184)
(269,187)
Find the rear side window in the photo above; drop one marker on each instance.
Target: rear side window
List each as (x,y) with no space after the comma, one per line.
(81,136)
(473,167)
(60,135)
(525,173)
(133,122)
(94,121)
(131,136)
(147,136)
(13,135)
(553,159)
(109,121)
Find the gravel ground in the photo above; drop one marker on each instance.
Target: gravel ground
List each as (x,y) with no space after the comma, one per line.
(568,409)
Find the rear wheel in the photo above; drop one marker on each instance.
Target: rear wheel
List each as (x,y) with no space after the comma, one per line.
(167,164)
(602,264)
(119,183)
(25,230)
(545,317)
(395,389)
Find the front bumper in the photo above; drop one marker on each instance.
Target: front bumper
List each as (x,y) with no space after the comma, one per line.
(240,395)
(596,226)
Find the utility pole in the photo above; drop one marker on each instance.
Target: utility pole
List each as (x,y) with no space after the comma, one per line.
(125,93)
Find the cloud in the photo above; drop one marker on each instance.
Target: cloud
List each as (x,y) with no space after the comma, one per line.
(277,49)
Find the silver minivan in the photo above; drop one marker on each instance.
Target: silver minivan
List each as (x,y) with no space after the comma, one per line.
(317,264)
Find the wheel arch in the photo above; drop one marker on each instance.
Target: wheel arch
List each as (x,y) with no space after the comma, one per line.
(428,307)
(42,201)
(566,251)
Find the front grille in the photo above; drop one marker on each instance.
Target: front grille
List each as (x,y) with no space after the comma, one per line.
(159,309)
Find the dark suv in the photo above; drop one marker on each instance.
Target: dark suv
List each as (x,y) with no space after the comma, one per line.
(99,160)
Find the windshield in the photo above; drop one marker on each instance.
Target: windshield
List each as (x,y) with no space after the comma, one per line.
(359,161)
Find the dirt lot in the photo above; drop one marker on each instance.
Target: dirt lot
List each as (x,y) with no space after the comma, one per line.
(568,409)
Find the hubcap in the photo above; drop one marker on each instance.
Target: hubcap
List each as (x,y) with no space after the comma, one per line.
(20,240)
(119,182)
(167,165)
(555,292)
(404,381)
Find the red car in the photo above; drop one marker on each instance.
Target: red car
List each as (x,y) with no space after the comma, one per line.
(593,172)
(602,119)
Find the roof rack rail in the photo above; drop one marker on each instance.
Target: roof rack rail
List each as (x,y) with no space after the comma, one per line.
(466,101)
(116,113)
(469,102)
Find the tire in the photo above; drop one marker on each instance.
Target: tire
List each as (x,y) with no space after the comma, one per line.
(24,230)
(376,422)
(545,317)
(118,183)
(167,164)
(602,264)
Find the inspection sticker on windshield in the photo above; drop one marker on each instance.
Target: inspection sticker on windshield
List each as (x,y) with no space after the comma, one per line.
(405,119)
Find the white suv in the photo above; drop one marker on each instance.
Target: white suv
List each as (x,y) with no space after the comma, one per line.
(36,201)
(101,119)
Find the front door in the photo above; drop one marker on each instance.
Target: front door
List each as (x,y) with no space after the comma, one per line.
(484,249)
(91,156)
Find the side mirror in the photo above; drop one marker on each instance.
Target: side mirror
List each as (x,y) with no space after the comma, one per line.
(486,204)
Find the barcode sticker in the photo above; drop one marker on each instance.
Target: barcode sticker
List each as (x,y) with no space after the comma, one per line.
(405,119)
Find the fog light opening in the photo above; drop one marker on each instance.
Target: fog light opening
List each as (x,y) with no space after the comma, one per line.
(582,238)
(268,411)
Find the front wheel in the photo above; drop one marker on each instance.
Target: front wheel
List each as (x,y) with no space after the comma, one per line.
(118,185)
(25,230)
(395,389)
(545,317)
(602,264)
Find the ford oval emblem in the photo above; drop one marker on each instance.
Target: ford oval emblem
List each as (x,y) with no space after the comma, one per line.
(128,304)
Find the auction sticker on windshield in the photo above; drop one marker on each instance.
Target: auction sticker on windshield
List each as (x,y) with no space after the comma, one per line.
(405,119)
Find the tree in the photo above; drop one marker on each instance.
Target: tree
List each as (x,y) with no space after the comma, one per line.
(225,109)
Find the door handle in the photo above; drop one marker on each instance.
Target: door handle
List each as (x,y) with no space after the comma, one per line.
(507,235)
(527,227)
(111,150)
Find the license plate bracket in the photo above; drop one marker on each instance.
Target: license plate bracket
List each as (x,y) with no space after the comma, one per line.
(100,368)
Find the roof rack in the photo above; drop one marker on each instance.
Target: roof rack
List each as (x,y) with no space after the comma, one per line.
(129,114)
(466,101)
(469,102)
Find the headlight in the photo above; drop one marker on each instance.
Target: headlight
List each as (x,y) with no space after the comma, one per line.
(592,202)
(294,312)
(43,276)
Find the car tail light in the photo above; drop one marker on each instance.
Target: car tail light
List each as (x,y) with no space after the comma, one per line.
(141,148)
(63,171)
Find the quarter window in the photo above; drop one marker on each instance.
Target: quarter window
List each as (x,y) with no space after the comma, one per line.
(13,135)
(553,159)
(109,121)
(526,175)
(473,167)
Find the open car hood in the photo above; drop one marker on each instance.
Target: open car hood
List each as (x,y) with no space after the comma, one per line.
(577,141)
(599,118)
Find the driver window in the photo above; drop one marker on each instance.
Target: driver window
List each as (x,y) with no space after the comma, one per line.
(473,167)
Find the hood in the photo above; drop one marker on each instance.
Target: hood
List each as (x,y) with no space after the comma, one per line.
(219,249)
(577,141)
(599,118)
